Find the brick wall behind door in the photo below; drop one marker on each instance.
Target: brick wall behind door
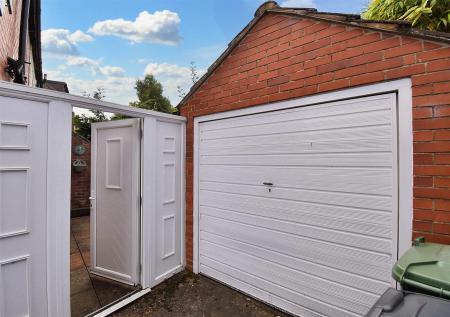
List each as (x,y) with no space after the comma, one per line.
(81,181)
(285,57)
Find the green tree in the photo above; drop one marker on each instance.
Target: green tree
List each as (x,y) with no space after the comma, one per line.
(150,95)
(423,14)
(82,123)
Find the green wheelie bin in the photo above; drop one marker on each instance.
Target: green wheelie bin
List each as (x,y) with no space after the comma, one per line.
(425,268)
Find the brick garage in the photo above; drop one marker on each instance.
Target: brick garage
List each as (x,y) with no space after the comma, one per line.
(284,54)
(81,180)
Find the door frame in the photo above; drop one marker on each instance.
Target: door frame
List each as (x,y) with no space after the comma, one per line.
(401,87)
(135,192)
(58,181)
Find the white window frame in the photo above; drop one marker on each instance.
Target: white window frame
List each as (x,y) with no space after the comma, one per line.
(402,87)
(58,181)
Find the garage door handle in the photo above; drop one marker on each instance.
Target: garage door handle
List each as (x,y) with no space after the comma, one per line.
(268,184)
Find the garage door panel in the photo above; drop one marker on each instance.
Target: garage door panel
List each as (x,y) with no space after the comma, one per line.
(297,216)
(380,117)
(295,262)
(303,146)
(219,270)
(313,250)
(318,233)
(310,159)
(256,287)
(328,110)
(294,210)
(320,197)
(348,133)
(348,180)
(315,288)
(325,230)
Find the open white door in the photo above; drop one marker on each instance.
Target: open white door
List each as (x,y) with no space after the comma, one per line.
(115,200)
(163,200)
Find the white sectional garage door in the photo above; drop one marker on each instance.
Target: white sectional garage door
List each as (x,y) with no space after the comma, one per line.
(321,240)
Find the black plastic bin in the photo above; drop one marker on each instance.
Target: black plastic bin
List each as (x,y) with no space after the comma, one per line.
(395,303)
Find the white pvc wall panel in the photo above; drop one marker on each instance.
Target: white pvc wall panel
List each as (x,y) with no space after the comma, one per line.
(322,241)
(23,207)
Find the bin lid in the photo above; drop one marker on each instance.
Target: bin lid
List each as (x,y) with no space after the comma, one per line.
(425,266)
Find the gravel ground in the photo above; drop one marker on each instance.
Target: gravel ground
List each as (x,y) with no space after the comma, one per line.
(187,294)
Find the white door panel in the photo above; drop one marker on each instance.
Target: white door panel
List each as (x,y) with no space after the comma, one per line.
(321,240)
(168,200)
(23,211)
(115,192)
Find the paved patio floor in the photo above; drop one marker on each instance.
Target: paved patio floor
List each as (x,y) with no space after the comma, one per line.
(189,295)
(88,292)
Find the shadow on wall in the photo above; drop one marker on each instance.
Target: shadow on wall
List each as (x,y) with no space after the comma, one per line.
(81,176)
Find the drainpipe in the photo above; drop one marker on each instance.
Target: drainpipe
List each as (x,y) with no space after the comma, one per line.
(16,68)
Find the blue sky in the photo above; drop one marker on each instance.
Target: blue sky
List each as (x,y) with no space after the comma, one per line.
(111,43)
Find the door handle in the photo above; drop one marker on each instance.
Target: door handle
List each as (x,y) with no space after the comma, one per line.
(91,199)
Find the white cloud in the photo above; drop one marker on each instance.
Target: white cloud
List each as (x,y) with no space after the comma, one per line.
(159,27)
(117,89)
(121,89)
(80,61)
(171,76)
(62,41)
(167,70)
(299,4)
(95,66)
(112,71)
(79,36)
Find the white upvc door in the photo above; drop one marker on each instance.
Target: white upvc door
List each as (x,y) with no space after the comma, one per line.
(163,200)
(32,209)
(167,222)
(115,200)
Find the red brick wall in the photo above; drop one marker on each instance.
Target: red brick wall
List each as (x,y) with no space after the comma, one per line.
(9,42)
(9,35)
(287,57)
(81,181)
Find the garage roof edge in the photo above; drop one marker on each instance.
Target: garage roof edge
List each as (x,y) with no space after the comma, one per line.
(354,20)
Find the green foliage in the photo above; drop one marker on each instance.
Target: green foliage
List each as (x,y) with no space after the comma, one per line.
(150,95)
(82,123)
(423,14)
